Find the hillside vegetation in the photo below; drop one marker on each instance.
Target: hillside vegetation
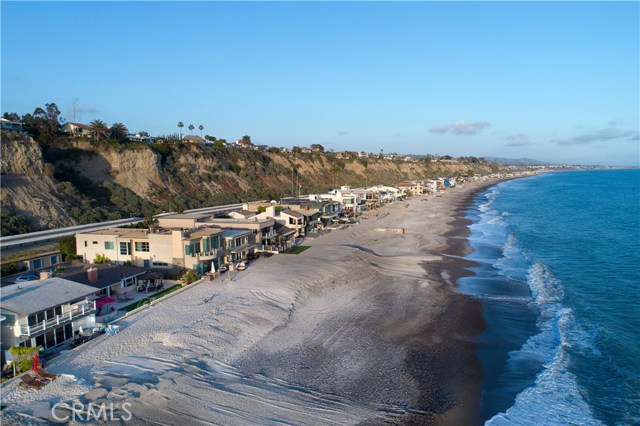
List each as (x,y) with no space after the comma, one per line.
(75,181)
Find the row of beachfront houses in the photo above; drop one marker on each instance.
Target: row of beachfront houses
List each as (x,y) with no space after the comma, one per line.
(204,242)
(53,310)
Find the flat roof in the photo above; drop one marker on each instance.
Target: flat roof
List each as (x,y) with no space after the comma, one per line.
(35,296)
(250,221)
(232,233)
(203,232)
(186,216)
(120,232)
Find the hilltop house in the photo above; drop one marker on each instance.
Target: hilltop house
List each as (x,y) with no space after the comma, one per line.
(76,129)
(45,313)
(10,126)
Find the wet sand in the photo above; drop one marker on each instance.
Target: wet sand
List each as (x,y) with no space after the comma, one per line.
(365,327)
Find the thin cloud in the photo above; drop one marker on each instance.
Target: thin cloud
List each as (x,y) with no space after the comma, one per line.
(461,127)
(90,110)
(600,135)
(342,132)
(439,129)
(519,139)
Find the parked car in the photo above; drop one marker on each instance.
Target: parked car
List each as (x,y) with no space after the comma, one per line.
(241,266)
(26,278)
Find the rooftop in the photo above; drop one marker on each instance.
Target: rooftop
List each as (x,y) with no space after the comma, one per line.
(233,233)
(120,232)
(203,232)
(195,216)
(107,274)
(35,296)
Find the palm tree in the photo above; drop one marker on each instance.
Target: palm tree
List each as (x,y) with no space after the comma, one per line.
(201,127)
(98,129)
(191,127)
(119,132)
(180,126)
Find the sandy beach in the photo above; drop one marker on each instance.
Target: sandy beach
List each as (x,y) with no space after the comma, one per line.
(365,327)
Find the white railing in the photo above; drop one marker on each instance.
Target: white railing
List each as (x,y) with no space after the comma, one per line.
(81,311)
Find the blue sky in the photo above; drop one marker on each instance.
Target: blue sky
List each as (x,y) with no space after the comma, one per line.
(552,81)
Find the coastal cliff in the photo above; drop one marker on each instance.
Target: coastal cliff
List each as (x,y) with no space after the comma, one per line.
(81,181)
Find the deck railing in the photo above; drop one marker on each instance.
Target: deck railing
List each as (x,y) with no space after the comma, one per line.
(81,311)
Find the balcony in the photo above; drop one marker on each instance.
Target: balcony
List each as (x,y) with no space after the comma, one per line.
(66,317)
(269,234)
(206,255)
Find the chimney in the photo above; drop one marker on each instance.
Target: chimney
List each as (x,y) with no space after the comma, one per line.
(92,275)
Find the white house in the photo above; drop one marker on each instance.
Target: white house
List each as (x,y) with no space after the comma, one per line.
(76,129)
(45,313)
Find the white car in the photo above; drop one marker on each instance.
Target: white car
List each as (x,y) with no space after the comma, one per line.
(26,278)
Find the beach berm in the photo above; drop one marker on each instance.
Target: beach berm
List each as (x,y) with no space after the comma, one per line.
(364,327)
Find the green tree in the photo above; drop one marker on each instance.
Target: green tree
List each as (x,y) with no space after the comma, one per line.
(68,247)
(8,269)
(23,357)
(180,126)
(318,147)
(11,116)
(201,127)
(190,276)
(98,129)
(43,124)
(191,127)
(119,132)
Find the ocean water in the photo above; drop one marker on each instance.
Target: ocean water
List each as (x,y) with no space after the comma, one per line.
(559,278)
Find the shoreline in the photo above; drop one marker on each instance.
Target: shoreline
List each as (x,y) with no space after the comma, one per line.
(350,331)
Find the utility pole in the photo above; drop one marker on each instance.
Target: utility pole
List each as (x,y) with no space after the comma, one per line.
(292,186)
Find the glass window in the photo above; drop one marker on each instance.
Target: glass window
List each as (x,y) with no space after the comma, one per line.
(54,260)
(142,246)
(50,339)
(145,263)
(108,245)
(37,264)
(40,340)
(95,242)
(125,248)
(60,335)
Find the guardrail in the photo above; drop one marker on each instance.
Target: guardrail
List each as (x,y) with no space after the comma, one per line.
(85,309)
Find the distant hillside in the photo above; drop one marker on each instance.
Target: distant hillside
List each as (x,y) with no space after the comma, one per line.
(79,181)
(517,161)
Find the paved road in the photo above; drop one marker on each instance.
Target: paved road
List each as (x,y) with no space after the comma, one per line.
(54,234)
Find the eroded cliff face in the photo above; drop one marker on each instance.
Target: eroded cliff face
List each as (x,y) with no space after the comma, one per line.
(28,188)
(108,179)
